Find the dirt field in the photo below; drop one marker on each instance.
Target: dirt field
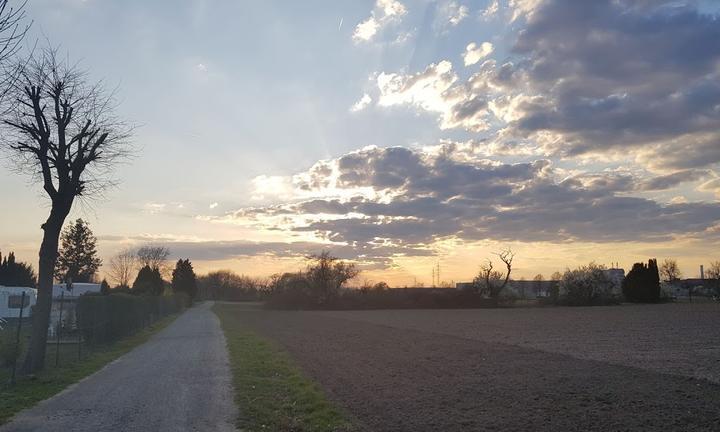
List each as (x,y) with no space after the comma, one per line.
(570,369)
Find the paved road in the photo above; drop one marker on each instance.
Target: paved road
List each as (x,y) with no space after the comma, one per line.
(178,381)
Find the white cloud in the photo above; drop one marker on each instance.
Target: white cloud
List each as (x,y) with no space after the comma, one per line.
(268,187)
(384,13)
(449,13)
(361,104)
(434,90)
(213,205)
(201,67)
(474,53)
(523,8)
(491,10)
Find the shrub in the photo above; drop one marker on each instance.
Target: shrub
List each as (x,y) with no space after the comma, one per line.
(642,283)
(586,286)
(104,318)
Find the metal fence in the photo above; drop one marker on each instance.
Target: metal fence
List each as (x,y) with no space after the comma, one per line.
(72,335)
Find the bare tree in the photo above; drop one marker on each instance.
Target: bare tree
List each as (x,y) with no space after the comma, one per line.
(122,267)
(13,29)
(670,271)
(327,274)
(155,257)
(62,130)
(491,282)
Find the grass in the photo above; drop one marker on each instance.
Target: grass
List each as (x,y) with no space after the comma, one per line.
(31,390)
(271,392)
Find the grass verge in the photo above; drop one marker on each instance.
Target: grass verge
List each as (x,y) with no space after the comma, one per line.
(29,391)
(271,392)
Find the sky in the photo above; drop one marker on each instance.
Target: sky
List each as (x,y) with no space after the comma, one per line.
(400,134)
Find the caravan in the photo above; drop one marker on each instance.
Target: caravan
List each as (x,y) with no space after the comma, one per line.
(11,301)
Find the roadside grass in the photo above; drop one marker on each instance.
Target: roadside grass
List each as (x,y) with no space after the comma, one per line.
(30,390)
(271,392)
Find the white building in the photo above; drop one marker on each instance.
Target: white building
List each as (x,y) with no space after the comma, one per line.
(616,276)
(69,296)
(11,298)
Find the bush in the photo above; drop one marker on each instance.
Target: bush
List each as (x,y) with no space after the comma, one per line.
(586,286)
(105,318)
(642,283)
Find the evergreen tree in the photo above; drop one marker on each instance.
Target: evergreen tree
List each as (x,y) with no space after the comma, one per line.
(148,281)
(13,273)
(104,287)
(642,283)
(77,260)
(184,280)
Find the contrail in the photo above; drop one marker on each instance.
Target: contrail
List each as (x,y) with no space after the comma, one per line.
(340,25)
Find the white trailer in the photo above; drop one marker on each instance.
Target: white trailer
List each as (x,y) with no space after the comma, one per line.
(11,298)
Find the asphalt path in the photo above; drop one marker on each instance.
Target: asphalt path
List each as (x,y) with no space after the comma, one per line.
(179,380)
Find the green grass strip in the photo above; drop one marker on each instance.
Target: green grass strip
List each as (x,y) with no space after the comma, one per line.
(29,391)
(271,392)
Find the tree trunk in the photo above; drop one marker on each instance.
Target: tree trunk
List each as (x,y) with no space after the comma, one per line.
(35,359)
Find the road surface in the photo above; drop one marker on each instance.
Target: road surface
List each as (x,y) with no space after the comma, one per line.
(179,380)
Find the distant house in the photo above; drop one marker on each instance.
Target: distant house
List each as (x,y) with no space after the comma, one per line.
(11,301)
(616,276)
(698,286)
(532,288)
(67,296)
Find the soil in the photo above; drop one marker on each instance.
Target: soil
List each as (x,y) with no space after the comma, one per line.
(433,377)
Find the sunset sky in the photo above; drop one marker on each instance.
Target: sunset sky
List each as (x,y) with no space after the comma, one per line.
(399,134)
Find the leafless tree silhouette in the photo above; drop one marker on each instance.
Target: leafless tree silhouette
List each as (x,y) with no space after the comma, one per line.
(122,266)
(13,28)
(491,282)
(62,130)
(155,257)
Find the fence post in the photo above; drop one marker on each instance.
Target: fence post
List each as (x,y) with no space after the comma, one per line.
(79,343)
(59,329)
(17,338)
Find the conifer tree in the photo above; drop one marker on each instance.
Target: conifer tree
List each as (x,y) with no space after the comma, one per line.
(184,279)
(13,273)
(77,260)
(148,281)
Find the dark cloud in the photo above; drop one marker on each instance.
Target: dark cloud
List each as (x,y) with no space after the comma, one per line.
(368,255)
(672,180)
(620,74)
(450,194)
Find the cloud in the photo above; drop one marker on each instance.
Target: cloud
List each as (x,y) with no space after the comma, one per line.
(406,200)
(449,13)
(616,78)
(474,53)
(384,13)
(362,103)
(213,205)
(712,186)
(669,181)
(491,10)
(433,90)
(621,75)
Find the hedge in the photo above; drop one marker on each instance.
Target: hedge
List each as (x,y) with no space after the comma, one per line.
(105,318)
